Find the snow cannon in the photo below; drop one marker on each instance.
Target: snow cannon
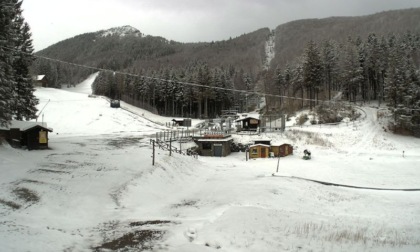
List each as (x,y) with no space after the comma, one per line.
(307,155)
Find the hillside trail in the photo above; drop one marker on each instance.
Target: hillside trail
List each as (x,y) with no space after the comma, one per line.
(370,134)
(269,56)
(269,51)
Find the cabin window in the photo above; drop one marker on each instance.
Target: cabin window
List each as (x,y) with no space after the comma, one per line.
(254,151)
(206,146)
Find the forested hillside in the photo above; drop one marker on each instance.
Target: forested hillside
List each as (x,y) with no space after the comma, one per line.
(125,48)
(370,58)
(355,59)
(292,37)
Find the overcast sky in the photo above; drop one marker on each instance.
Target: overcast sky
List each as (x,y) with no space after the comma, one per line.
(184,20)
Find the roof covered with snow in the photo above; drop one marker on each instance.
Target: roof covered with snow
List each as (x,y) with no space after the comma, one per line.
(263,145)
(248,117)
(24,125)
(215,139)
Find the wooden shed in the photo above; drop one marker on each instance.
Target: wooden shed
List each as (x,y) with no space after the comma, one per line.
(214,145)
(186,122)
(248,124)
(33,135)
(259,151)
(40,81)
(282,150)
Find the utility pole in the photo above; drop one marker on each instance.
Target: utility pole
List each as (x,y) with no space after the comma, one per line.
(153,157)
(170,146)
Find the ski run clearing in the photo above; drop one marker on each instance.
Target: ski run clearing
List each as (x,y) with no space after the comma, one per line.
(95,189)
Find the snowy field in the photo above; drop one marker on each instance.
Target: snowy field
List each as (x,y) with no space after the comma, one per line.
(95,189)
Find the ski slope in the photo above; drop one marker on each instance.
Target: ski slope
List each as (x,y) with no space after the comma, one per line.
(96,187)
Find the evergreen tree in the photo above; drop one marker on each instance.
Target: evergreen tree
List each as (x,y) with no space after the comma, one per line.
(279,84)
(352,72)
(298,82)
(288,76)
(330,62)
(100,86)
(312,69)
(7,81)
(16,90)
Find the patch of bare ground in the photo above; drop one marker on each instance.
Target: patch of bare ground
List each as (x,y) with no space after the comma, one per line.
(146,223)
(30,181)
(51,171)
(124,142)
(26,194)
(186,203)
(139,240)
(134,236)
(10,204)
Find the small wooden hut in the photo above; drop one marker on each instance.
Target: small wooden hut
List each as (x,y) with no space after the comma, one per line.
(33,135)
(282,150)
(186,122)
(248,124)
(259,151)
(40,81)
(214,145)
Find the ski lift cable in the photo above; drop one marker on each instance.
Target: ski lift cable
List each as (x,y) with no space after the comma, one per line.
(187,83)
(181,82)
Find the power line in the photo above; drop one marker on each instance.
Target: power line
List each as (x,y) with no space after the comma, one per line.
(178,82)
(183,82)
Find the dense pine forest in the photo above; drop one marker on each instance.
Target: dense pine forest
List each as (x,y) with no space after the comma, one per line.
(355,60)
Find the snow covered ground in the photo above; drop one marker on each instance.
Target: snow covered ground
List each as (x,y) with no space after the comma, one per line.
(96,189)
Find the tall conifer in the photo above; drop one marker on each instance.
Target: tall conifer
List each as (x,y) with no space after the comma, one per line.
(16,89)
(24,102)
(6,61)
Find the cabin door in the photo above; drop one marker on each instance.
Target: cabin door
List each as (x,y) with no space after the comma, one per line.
(218,150)
(263,153)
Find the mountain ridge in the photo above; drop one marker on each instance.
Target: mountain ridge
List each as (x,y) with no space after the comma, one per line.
(299,32)
(290,38)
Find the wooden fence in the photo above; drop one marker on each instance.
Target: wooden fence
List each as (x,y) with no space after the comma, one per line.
(167,146)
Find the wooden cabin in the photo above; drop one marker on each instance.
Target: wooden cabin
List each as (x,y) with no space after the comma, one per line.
(185,122)
(40,81)
(282,150)
(248,124)
(33,135)
(259,151)
(214,145)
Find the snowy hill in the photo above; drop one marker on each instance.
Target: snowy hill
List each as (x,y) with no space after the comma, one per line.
(96,188)
(75,113)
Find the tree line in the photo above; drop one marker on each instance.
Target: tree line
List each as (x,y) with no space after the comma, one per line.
(17,101)
(383,69)
(170,92)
